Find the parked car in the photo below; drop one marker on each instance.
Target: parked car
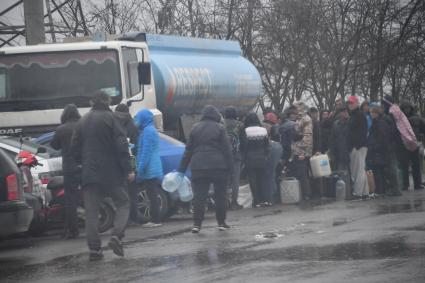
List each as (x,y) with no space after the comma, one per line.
(171,151)
(15,214)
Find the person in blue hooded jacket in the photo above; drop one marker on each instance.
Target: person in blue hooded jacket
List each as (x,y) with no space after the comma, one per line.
(148,163)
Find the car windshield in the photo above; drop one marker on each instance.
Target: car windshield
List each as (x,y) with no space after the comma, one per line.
(31,147)
(50,80)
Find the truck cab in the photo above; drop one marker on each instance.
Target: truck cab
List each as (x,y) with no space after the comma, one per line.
(172,76)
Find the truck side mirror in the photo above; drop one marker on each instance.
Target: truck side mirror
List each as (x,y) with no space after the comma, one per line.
(144,69)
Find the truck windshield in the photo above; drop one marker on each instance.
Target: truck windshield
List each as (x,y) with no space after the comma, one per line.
(35,81)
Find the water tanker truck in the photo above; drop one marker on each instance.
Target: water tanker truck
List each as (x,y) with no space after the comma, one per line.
(172,76)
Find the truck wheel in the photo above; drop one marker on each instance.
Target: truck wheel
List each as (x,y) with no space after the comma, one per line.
(144,206)
(106,217)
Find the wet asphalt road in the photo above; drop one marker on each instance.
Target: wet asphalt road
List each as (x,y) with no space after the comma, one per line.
(379,240)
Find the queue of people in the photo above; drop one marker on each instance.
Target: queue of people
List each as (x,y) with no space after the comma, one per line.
(382,138)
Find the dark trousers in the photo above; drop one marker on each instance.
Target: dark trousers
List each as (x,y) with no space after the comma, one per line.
(406,158)
(133,192)
(235,180)
(379,178)
(299,170)
(386,177)
(201,187)
(152,187)
(93,196)
(71,184)
(256,177)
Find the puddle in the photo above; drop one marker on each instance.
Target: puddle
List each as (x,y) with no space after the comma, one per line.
(341,221)
(299,228)
(267,235)
(416,205)
(274,212)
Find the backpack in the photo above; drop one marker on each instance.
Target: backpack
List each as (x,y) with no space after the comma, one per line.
(232,131)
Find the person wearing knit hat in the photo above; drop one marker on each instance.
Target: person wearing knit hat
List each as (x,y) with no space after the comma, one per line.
(271,123)
(233,129)
(357,144)
(380,156)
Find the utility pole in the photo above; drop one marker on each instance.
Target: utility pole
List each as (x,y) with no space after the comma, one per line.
(34,21)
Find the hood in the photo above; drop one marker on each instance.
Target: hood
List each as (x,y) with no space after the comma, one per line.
(387,102)
(70,113)
(252,120)
(123,117)
(408,109)
(143,119)
(211,113)
(301,108)
(230,113)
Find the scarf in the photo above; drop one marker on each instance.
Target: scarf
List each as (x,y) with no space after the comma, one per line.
(403,125)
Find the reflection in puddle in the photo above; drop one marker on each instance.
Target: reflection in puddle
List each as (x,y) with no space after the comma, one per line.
(416,205)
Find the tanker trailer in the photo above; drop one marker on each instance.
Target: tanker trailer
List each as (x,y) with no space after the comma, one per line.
(189,73)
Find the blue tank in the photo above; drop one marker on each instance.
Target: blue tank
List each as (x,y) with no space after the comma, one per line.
(190,73)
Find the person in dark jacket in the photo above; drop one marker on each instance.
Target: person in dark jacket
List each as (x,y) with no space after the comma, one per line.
(413,157)
(148,163)
(233,129)
(71,173)
(271,123)
(287,133)
(357,145)
(255,150)
(380,156)
(99,144)
(326,122)
(122,113)
(338,141)
(209,153)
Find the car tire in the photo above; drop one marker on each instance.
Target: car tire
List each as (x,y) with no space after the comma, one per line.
(106,217)
(143,206)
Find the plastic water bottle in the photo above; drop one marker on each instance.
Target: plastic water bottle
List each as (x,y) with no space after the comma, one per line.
(185,190)
(340,190)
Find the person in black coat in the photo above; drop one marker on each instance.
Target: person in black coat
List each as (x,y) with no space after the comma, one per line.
(209,153)
(380,156)
(413,157)
(255,150)
(71,173)
(99,144)
(357,144)
(338,142)
(122,114)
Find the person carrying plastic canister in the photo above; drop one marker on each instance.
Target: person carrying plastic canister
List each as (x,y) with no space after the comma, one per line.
(357,144)
(148,163)
(380,155)
(209,153)
(302,149)
(255,151)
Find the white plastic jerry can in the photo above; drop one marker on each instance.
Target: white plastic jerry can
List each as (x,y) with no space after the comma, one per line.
(320,166)
(290,191)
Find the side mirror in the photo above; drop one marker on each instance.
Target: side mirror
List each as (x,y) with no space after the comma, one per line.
(41,149)
(144,70)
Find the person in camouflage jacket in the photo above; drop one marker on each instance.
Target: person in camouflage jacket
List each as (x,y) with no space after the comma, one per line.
(302,149)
